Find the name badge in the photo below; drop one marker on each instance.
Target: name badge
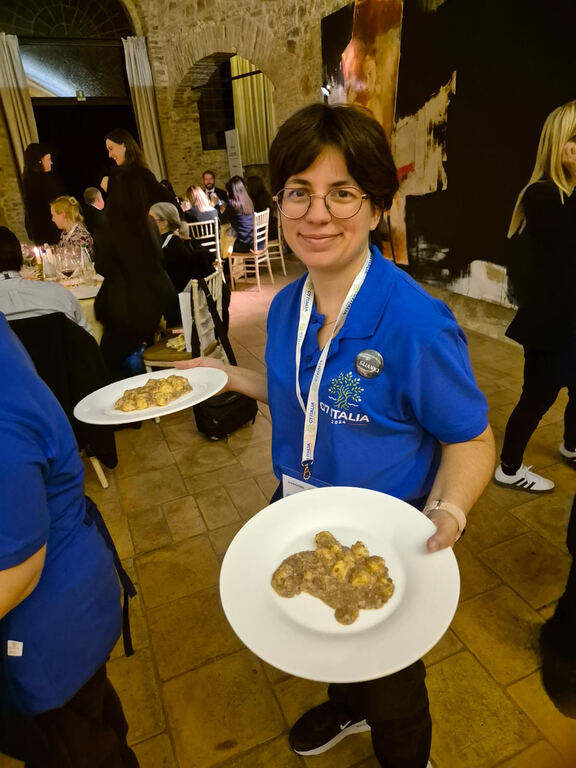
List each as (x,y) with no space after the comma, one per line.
(369,363)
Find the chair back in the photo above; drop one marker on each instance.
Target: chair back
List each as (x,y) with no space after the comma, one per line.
(261,220)
(207,235)
(201,318)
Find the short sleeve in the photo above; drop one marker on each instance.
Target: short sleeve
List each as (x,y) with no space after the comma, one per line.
(444,397)
(25,519)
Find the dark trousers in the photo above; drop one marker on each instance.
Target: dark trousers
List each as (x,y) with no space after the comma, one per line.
(545,374)
(396,708)
(89,731)
(564,619)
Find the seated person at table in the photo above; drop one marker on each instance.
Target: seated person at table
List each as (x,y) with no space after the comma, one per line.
(262,199)
(180,262)
(93,209)
(240,214)
(21,298)
(66,215)
(200,209)
(216,196)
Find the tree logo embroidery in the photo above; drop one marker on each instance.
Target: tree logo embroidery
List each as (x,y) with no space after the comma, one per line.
(345,390)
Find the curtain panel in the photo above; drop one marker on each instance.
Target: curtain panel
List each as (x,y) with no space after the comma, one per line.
(253,112)
(15,98)
(144,102)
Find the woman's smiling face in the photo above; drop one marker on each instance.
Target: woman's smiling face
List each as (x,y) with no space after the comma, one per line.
(321,241)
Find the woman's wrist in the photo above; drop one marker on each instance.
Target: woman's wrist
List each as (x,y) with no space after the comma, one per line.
(452,509)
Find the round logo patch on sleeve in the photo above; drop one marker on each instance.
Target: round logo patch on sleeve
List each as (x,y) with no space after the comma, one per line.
(369,363)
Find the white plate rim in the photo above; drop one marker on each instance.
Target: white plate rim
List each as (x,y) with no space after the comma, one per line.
(370,654)
(207,381)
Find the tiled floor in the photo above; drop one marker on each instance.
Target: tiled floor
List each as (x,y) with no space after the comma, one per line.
(196,698)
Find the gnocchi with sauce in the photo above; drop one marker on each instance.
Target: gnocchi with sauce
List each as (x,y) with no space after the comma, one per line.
(155,392)
(347,579)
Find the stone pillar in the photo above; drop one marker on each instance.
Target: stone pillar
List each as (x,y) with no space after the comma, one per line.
(11,202)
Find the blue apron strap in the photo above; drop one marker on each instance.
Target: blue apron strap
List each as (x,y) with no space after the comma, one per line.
(93,516)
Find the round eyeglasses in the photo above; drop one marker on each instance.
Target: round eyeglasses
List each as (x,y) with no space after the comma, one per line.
(341,202)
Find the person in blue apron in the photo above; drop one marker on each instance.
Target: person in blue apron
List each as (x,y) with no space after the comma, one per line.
(369,384)
(60,607)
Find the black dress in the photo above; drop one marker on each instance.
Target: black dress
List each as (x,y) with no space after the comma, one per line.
(40,189)
(136,291)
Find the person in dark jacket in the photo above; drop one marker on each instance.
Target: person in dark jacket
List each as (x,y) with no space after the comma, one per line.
(544,227)
(136,291)
(262,199)
(200,209)
(40,187)
(239,214)
(93,209)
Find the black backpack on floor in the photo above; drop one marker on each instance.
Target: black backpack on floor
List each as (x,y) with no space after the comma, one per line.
(222,414)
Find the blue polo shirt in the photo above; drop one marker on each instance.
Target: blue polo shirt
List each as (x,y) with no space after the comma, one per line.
(55,640)
(383,432)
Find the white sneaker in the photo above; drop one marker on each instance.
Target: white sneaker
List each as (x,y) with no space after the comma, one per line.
(570,456)
(523,480)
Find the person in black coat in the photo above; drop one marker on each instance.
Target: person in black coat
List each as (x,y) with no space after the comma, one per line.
(543,229)
(40,186)
(262,199)
(136,291)
(93,209)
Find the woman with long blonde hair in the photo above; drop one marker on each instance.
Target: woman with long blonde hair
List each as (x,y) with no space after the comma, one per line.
(544,223)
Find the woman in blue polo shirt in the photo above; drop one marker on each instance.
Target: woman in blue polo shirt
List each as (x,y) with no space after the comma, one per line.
(60,611)
(379,372)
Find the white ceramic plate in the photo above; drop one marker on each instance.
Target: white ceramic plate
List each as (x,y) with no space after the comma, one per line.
(98,407)
(299,635)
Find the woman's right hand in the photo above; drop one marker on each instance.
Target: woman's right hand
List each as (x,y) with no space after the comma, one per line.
(207,362)
(244,380)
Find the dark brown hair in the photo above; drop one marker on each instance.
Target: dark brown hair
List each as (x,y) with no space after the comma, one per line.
(238,196)
(134,154)
(10,251)
(350,129)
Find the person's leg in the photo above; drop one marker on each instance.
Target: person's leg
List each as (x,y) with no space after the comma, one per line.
(570,422)
(88,729)
(539,392)
(394,707)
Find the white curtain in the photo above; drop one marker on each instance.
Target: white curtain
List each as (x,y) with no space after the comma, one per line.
(16,98)
(144,102)
(253,112)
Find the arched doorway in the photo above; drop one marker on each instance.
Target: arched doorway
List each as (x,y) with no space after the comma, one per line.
(73,59)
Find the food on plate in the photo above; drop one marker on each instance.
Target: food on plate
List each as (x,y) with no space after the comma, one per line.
(345,578)
(154,393)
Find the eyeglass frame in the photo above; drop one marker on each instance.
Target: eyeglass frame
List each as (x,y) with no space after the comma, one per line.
(363,197)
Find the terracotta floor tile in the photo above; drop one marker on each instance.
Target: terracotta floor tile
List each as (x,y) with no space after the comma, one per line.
(149,530)
(148,434)
(268,484)
(204,458)
(547,515)
(190,632)
(216,508)
(489,525)
(474,576)
(256,459)
(475,723)
(120,532)
(183,518)
(247,497)
(139,459)
(536,569)
(260,431)
(559,730)
(541,755)
(221,710)
(10,762)
(155,753)
(216,478)
(183,435)
(222,537)
(448,645)
(143,491)
(138,628)
(176,571)
(275,754)
(134,681)
(502,632)
(111,509)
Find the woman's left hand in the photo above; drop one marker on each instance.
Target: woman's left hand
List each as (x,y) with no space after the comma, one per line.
(446,530)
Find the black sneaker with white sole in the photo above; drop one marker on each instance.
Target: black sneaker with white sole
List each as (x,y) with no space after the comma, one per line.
(322,728)
(523,480)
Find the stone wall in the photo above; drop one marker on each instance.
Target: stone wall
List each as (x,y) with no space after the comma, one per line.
(11,206)
(280,37)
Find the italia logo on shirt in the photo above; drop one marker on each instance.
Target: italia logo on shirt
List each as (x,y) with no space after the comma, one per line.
(346,393)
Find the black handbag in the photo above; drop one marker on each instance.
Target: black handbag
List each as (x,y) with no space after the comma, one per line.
(222,414)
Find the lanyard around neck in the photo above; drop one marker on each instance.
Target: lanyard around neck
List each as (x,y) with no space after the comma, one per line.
(311,407)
